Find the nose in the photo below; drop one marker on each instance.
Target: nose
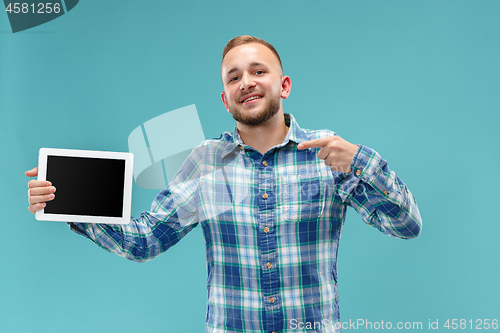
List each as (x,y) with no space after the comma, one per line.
(247,82)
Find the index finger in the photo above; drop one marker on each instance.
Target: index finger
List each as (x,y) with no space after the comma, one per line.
(38,183)
(321,142)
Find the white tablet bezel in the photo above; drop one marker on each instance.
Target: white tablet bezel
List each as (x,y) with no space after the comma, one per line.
(127,188)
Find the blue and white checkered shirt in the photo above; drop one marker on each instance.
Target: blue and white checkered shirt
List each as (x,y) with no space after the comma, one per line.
(271,224)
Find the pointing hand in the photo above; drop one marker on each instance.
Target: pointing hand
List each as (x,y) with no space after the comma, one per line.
(335,151)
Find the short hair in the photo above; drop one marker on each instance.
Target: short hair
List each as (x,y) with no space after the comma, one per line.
(242,40)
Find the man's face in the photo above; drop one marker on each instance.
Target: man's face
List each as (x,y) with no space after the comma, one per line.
(253,84)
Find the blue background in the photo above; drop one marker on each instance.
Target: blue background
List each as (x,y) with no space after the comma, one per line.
(418,81)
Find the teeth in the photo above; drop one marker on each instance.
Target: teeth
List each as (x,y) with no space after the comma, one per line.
(251,98)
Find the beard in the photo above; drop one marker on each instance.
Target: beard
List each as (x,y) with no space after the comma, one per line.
(268,111)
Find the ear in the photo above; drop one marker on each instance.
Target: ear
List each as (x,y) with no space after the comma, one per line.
(224,100)
(286,86)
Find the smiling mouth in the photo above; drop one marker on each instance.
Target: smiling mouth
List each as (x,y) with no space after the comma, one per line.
(251,99)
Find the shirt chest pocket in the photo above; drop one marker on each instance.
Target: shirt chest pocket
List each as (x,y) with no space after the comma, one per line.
(303,196)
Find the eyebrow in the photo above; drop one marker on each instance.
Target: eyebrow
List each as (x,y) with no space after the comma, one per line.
(252,64)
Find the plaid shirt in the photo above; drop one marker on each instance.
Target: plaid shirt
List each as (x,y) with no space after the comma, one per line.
(271,224)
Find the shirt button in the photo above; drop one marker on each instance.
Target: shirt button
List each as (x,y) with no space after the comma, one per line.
(242,148)
(271,300)
(358,172)
(269,265)
(386,192)
(264,163)
(274,332)
(265,196)
(266,230)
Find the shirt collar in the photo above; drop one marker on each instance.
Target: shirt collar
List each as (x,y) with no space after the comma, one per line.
(295,134)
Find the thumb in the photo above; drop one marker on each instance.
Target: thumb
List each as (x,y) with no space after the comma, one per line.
(32,173)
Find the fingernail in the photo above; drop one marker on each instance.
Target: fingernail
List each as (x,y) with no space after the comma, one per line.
(52,189)
(48,184)
(300,146)
(51,196)
(42,204)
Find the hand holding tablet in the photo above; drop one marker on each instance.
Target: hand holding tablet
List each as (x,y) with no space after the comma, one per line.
(92,186)
(39,191)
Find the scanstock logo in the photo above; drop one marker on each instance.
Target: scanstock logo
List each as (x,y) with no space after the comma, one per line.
(28,14)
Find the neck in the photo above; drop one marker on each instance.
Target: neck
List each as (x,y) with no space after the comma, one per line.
(266,135)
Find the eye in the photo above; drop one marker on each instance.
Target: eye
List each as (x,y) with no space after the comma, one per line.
(234,78)
(259,72)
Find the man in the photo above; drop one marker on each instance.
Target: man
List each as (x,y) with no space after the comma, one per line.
(271,199)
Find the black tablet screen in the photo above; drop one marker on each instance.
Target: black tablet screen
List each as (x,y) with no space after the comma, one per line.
(86,186)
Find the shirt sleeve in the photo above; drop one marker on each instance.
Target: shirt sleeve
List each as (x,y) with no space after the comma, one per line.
(379,196)
(173,213)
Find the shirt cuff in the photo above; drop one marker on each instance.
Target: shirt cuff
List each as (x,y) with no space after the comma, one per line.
(78,228)
(372,169)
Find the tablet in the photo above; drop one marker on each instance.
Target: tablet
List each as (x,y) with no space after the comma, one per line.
(91,186)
